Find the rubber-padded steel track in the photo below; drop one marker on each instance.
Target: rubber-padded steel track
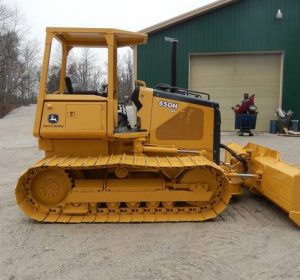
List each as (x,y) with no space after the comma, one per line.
(123,214)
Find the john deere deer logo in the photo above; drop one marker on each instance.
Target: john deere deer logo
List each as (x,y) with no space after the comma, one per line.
(53,118)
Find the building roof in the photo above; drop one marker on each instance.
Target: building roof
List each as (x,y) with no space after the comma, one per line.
(186,16)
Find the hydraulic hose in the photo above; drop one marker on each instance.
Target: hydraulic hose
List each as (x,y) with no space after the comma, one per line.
(235,155)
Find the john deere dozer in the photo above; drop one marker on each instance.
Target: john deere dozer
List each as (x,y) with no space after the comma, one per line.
(167,168)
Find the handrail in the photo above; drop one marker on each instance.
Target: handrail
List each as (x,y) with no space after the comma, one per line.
(178,90)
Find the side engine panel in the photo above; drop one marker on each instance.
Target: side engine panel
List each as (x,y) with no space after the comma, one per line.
(186,122)
(73,120)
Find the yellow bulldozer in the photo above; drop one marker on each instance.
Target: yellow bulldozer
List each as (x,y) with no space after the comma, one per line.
(167,168)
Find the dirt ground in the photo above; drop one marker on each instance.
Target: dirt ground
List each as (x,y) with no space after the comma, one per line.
(252,239)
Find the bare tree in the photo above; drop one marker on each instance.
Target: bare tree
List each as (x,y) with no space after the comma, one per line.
(125,76)
(96,80)
(9,66)
(29,74)
(5,14)
(83,69)
(18,71)
(54,68)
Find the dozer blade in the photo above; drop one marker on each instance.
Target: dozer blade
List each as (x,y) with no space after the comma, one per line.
(276,180)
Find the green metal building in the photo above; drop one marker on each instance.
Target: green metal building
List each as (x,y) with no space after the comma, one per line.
(230,47)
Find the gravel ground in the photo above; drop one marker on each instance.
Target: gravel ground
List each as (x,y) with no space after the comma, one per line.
(252,239)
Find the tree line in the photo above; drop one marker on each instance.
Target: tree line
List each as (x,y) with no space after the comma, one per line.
(19,73)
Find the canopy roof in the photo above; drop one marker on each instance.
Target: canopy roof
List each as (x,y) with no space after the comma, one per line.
(95,37)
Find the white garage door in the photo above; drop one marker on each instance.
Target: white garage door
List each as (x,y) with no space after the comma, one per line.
(228,77)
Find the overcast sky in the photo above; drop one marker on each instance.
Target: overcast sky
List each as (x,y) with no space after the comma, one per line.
(132,15)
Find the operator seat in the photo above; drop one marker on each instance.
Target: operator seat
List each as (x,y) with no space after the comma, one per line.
(69,86)
(135,98)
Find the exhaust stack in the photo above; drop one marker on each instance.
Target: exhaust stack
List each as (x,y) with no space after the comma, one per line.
(173,42)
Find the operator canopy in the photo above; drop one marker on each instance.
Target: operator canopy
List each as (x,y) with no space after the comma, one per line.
(96,37)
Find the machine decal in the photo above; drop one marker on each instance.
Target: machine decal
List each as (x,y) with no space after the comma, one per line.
(170,105)
(53,118)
